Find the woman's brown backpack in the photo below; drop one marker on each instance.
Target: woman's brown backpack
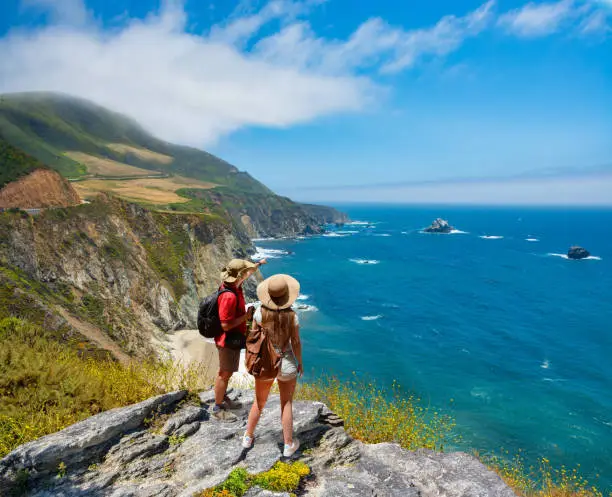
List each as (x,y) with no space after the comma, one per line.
(262,360)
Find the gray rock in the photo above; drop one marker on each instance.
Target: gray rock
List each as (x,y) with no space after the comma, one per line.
(188,430)
(439,226)
(578,253)
(136,462)
(185,416)
(259,492)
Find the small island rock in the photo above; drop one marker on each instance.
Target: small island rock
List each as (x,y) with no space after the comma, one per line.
(578,253)
(439,226)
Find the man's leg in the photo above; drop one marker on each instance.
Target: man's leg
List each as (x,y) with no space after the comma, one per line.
(228,363)
(221,382)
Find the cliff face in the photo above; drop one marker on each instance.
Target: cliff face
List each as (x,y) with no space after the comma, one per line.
(268,215)
(114,453)
(128,271)
(39,189)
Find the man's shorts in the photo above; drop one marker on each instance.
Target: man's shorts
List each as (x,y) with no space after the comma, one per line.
(229,360)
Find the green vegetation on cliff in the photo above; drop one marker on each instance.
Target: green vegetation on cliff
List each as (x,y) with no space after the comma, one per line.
(14,163)
(46,125)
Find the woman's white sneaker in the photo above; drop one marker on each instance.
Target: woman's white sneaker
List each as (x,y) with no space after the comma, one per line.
(291,449)
(247,442)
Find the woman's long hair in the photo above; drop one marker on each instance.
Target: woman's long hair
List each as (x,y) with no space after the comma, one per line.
(284,325)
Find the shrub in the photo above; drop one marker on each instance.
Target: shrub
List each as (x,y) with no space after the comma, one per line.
(283,477)
(373,414)
(542,480)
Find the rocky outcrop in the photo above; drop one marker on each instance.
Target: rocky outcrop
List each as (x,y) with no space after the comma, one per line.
(439,226)
(268,215)
(117,453)
(40,189)
(576,252)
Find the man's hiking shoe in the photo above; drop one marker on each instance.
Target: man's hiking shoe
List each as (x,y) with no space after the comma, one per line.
(231,404)
(223,415)
(247,442)
(291,449)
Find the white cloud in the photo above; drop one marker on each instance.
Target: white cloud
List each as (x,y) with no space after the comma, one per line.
(542,19)
(535,19)
(374,44)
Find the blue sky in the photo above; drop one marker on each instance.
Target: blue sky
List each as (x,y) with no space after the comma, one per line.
(346,100)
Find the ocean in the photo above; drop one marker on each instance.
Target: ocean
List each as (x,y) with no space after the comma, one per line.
(491,324)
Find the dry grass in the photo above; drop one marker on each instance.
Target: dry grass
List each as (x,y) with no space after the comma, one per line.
(45,385)
(141,153)
(107,167)
(151,190)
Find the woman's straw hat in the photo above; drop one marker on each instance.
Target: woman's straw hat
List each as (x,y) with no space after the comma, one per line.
(278,292)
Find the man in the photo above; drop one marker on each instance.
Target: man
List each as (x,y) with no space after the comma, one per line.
(233,316)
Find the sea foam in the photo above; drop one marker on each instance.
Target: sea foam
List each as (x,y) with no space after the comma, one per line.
(371,318)
(491,237)
(365,261)
(564,256)
(532,240)
(268,253)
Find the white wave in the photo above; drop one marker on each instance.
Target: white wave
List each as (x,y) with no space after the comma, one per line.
(268,253)
(404,232)
(451,232)
(347,232)
(262,239)
(303,297)
(334,235)
(564,256)
(491,237)
(371,318)
(545,364)
(305,308)
(382,234)
(532,240)
(553,380)
(365,261)
(357,223)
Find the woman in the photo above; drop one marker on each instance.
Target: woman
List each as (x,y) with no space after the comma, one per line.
(281,323)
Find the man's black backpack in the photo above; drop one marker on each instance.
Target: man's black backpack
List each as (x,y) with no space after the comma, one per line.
(209,324)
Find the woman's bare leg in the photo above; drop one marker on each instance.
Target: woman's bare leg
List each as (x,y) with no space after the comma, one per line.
(262,390)
(286,389)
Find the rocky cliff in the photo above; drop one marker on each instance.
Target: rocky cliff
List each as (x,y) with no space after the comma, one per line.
(129,272)
(267,215)
(39,189)
(167,447)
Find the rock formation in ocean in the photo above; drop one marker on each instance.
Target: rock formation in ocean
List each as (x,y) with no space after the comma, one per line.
(439,226)
(169,446)
(576,252)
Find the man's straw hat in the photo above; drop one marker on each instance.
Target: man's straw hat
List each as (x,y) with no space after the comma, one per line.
(235,269)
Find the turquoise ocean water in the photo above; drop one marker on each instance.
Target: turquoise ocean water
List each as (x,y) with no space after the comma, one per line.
(519,338)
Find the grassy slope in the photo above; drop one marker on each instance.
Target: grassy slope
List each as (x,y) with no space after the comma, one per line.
(46,125)
(14,163)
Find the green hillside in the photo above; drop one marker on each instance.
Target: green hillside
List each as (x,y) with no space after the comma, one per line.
(46,125)
(14,163)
